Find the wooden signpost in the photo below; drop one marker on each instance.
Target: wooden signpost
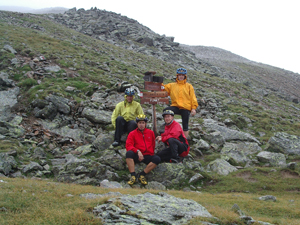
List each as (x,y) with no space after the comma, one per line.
(156,94)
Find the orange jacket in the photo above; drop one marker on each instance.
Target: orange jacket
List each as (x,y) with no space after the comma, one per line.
(182,94)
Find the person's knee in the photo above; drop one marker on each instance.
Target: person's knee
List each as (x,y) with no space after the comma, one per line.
(156,159)
(129,155)
(172,141)
(119,118)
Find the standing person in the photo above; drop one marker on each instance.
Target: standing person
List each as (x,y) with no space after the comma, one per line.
(174,137)
(140,145)
(124,114)
(183,98)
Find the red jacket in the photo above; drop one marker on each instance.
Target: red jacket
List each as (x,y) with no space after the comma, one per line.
(143,141)
(174,130)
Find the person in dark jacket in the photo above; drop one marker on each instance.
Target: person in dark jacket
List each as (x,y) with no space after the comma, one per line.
(173,136)
(140,145)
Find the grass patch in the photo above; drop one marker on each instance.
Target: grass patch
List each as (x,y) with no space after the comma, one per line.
(29,201)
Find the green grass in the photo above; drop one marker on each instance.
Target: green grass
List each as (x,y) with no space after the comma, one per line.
(31,201)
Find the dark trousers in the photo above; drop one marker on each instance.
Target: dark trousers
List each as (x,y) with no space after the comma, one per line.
(122,126)
(147,158)
(173,151)
(185,116)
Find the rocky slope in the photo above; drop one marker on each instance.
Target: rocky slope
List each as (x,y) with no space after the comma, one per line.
(62,74)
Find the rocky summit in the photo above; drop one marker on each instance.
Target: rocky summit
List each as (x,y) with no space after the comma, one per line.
(61,76)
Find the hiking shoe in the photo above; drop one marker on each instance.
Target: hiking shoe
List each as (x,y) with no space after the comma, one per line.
(115,144)
(132,180)
(143,180)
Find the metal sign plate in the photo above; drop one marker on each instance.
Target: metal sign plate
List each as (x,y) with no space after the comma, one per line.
(155,101)
(156,94)
(154,86)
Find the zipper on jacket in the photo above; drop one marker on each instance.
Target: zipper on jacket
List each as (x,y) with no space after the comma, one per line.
(144,140)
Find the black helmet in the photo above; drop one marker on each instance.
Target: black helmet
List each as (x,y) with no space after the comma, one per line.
(129,91)
(141,117)
(168,112)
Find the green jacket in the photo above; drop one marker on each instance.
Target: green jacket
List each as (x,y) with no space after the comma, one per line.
(129,111)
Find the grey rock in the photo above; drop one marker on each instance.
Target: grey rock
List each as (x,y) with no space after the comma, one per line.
(10,49)
(221,167)
(195,178)
(275,159)
(32,166)
(7,163)
(284,143)
(150,209)
(103,141)
(97,116)
(268,198)
(60,103)
(55,68)
(110,184)
(228,134)
(85,149)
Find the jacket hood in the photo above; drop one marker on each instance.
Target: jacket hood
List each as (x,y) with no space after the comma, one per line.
(125,99)
(181,81)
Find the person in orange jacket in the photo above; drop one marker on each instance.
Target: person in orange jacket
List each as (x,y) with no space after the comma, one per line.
(183,98)
(177,144)
(140,145)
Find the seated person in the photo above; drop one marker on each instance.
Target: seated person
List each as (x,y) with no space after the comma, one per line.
(124,114)
(140,145)
(173,136)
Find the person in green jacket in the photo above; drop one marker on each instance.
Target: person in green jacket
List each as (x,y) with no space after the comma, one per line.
(123,117)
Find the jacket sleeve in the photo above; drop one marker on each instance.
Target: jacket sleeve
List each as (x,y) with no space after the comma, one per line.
(194,101)
(175,132)
(140,109)
(167,88)
(130,143)
(114,115)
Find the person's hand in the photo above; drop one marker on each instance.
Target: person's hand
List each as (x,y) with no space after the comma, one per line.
(158,138)
(193,112)
(141,157)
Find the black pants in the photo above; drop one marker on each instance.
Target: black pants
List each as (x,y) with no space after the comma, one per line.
(173,151)
(185,116)
(147,158)
(122,126)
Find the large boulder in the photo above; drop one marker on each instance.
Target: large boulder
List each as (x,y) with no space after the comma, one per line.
(239,153)
(97,116)
(149,208)
(60,103)
(274,159)
(103,141)
(227,133)
(84,171)
(284,143)
(221,167)
(7,163)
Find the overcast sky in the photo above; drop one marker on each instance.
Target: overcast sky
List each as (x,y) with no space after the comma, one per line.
(265,31)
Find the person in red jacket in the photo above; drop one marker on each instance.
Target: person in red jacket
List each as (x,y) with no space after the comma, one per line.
(173,136)
(140,145)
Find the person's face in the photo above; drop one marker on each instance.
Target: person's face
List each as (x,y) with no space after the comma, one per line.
(168,118)
(141,125)
(129,98)
(181,76)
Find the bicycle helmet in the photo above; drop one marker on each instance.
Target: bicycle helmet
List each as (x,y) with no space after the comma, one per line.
(181,71)
(129,91)
(141,117)
(168,112)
